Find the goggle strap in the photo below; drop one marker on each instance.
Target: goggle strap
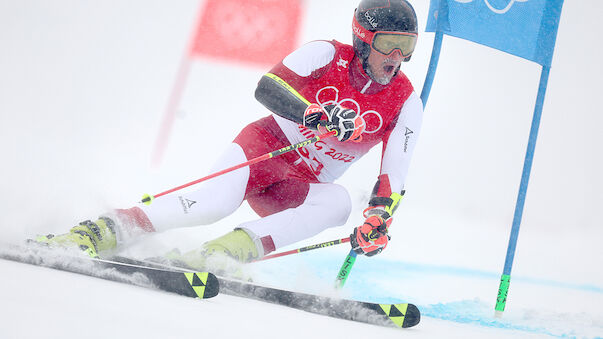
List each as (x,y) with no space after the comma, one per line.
(361,32)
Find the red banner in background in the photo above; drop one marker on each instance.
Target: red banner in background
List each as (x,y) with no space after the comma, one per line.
(261,32)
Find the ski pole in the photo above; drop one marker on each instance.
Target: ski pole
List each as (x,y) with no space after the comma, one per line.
(147,199)
(344,272)
(306,248)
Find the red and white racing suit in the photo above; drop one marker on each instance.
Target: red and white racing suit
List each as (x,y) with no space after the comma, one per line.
(294,193)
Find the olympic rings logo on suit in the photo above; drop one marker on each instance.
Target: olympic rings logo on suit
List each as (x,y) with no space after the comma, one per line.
(335,101)
(492,8)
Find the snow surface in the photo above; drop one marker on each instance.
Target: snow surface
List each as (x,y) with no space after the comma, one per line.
(83,86)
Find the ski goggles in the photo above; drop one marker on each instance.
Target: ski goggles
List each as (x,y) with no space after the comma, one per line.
(386,42)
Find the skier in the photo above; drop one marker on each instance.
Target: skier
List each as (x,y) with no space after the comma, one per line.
(357,91)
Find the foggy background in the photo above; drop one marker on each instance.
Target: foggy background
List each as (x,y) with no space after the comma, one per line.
(83,89)
(84,85)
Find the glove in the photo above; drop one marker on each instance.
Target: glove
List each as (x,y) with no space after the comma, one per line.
(346,122)
(313,116)
(371,237)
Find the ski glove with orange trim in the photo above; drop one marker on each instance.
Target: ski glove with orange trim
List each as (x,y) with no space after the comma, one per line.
(345,121)
(371,237)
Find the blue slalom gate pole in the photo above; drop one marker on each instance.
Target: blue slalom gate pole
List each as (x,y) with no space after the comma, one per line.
(503,288)
(433,65)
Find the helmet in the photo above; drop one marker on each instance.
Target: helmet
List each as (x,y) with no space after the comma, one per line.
(373,19)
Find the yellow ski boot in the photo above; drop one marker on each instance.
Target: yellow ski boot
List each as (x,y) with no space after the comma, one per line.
(223,255)
(90,237)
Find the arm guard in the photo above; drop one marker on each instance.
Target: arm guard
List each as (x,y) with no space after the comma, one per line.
(281,99)
(383,201)
(387,204)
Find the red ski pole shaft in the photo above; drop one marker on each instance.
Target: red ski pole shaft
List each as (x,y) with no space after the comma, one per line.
(306,248)
(147,198)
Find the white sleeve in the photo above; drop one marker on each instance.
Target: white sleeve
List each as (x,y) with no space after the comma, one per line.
(398,149)
(310,57)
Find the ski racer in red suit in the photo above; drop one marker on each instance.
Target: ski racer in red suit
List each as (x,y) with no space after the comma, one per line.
(357,91)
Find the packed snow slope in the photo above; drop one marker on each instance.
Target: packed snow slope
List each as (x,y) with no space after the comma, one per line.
(83,88)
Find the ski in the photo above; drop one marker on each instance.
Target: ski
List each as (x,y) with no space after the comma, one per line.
(192,284)
(391,315)
(401,315)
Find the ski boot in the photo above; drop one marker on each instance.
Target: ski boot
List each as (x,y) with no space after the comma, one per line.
(223,255)
(90,237)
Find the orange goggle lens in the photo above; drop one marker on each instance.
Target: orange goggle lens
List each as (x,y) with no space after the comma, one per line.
(387,42)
